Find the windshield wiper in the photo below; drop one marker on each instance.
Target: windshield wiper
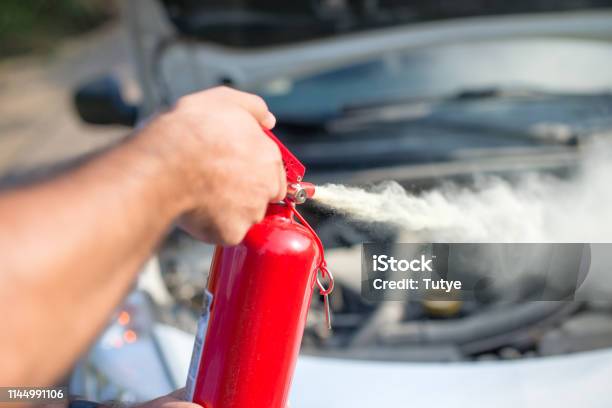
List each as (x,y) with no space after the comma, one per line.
(440,112)
(465,95)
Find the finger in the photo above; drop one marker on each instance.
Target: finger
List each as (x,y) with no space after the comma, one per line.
(269,121)
(282,183)
(253,104)
(175,399)
(279,191)
(259,213)
(180,394)
(233,232)
(256,106)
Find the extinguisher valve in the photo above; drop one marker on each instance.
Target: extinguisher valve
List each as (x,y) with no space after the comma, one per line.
(300,192)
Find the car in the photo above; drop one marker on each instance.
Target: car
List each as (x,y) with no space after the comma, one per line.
(423,95)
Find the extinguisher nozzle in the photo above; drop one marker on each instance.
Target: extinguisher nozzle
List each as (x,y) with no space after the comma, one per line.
(309,188)
(300,192)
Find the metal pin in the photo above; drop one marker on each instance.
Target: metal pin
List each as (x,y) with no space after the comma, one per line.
(322,274)
(327,311)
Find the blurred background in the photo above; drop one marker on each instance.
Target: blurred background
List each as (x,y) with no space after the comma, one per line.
(420,92)
(46,49)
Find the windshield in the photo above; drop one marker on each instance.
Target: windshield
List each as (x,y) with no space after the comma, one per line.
(264,23)
(551,65)
(418,94)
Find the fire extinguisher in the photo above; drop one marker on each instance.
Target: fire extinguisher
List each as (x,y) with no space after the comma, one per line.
(255,306)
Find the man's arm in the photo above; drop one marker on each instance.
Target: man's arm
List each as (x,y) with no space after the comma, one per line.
(70,247)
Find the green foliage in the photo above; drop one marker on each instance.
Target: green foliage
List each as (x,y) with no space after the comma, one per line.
(35,25)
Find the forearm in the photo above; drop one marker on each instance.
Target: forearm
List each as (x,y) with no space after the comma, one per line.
(70,249)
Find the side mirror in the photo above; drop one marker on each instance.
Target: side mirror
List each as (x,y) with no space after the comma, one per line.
(100,102)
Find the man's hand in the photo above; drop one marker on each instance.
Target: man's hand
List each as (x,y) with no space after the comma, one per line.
(72,245)
(175,399)
(227,168)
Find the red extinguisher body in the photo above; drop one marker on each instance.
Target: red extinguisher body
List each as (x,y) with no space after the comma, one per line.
(261,291)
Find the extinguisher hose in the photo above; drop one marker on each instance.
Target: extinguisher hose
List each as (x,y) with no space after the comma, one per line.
(322,267)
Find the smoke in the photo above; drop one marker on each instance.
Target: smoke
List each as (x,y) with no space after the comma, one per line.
(537,208)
